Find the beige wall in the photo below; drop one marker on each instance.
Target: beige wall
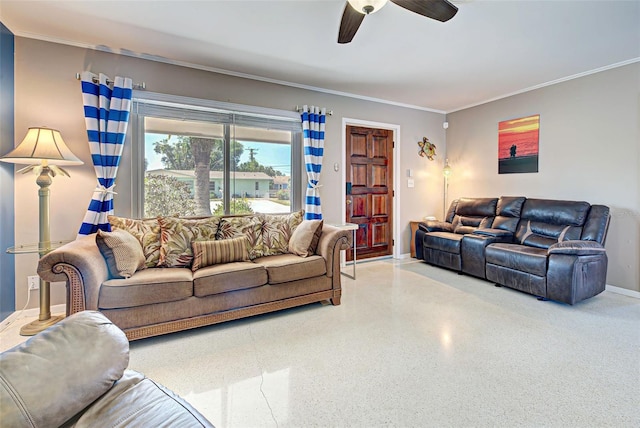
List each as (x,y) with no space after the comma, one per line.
(48,94)
(589,150)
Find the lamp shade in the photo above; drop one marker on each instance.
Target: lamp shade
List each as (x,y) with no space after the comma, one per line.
(367,7)
(42,145)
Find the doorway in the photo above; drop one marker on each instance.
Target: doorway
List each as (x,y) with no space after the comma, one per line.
(369,187)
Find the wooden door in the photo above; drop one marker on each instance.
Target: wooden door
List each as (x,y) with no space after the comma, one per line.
(369,190)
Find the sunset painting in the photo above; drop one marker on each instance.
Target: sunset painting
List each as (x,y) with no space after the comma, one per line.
(518,145)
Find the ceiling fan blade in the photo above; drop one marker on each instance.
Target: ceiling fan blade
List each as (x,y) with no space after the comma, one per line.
(351,20)
(440,10)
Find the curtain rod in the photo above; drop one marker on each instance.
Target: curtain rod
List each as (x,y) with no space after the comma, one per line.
(142,85)
(329,112)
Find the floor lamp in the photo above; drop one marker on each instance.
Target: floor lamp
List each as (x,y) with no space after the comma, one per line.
(446,171)
(43,149)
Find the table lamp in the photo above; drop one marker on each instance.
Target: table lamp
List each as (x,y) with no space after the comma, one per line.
(44,149)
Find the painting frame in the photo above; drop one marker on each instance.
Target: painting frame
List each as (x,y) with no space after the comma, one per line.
(519,145)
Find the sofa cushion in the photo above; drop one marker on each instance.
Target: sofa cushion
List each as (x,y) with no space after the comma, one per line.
(147,231)
(228,277)
(443,241)
(304,239)
(289,267)
(176,237)
(249,226)
(476,207)
(145,287)
(277,230)
(122,252)
(208,253)
(518,257)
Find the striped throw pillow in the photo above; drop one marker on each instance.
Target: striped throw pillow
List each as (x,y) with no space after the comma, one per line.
(208,253)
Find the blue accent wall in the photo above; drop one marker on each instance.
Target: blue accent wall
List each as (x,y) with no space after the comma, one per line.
(7,221)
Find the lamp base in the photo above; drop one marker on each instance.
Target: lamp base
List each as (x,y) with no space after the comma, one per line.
(37,326)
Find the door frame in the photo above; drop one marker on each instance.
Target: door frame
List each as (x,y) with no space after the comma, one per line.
(396,170)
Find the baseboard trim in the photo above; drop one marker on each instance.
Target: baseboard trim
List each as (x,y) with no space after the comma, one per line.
(404,256)
(32,313)
(623,291)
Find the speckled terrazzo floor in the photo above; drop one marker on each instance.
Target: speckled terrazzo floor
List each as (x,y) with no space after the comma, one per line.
(412,346)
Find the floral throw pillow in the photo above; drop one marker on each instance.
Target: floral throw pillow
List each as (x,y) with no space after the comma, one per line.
(249,226)
(147,232)
(176,237)
(277,230)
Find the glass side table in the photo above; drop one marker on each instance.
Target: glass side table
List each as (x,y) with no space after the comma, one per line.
(354,228)
(44,318)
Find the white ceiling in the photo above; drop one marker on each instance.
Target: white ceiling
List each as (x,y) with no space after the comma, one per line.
(490,49)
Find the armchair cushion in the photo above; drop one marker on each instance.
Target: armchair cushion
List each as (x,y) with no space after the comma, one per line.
(60,371)
(577,248)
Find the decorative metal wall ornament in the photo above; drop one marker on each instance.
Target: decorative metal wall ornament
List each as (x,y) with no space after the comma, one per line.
(427,149)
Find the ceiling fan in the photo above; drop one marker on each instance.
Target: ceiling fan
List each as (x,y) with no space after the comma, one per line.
(356,10)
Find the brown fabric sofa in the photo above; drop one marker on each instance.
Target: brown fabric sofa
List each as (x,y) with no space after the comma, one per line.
(74,374)
(159,300)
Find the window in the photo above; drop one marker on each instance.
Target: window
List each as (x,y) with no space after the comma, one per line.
(200,157)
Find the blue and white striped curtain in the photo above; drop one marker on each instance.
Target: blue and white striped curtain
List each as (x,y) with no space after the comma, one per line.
(313,120)
(106,113)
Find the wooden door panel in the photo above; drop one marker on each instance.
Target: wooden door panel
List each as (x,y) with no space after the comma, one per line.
(358,176)
(362,238)
(379,147)
(358,145)
(378,176)
(379,206)
(359,207)
(369,155)
(379,234)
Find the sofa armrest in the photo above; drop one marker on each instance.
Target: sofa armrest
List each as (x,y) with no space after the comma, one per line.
(435,226)
(82,266)
(331,242)
(495,233)
(577,248)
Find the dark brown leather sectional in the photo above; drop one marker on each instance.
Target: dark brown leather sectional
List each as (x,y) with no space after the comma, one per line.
(552,249)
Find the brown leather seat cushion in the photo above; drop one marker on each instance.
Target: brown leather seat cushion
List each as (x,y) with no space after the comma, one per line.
(518,257)
(443,241)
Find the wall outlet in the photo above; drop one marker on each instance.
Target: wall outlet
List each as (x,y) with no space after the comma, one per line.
(34,282)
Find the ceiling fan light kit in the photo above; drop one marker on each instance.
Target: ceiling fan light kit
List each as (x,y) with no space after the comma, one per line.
(367,7)
(356,10)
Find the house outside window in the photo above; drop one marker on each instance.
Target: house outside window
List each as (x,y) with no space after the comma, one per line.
(200,157)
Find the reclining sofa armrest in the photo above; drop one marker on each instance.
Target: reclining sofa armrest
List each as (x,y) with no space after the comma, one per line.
(504,235)
(82,266)
(435,226)
(577,248)
(576,270)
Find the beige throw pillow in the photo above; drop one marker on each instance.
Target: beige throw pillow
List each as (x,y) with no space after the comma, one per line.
(304,239)
(208,253)
(122,251)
